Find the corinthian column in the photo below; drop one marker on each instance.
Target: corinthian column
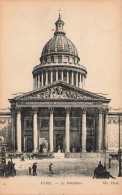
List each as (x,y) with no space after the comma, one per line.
(83,81)
(38,80)
(67,130)
(56,75)
(46,79)
(42,83)
(51,76)
(83,130)
(35,131)
(100,131)
(106,128)
(61,75)
(76,79)
(72,82)
(13,128)
(18,126)
(51,130)
(80,81)
(67,76)
(34,82)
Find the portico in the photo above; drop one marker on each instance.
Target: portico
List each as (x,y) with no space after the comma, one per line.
(72,123)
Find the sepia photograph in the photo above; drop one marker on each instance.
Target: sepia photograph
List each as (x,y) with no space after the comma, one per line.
(60,97)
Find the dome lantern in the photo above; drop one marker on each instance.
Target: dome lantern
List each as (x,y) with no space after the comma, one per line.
(59,26)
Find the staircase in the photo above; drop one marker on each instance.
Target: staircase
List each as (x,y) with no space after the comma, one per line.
(92,155)
(59,155)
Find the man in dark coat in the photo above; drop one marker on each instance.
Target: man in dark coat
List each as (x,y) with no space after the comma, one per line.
(34,167)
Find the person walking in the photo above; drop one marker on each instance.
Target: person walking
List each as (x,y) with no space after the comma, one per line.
(50,168)
(34,167)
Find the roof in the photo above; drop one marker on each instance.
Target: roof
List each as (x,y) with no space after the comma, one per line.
(59,43)
(61,91)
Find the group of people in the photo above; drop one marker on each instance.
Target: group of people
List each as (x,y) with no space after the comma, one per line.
(34,168)
(8,169)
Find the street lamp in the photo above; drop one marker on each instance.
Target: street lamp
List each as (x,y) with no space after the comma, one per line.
(105,158)
(119,152)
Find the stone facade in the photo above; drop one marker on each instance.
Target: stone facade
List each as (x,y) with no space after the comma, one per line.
(59,130)
(59,112)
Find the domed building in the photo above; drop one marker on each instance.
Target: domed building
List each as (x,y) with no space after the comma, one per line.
(59,61)
(59,114)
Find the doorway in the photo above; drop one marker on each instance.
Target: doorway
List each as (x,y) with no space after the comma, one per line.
(29,145)
(59,142)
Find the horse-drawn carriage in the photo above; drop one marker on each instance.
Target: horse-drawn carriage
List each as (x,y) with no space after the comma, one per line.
(9,169)
(101,173)
(114,156)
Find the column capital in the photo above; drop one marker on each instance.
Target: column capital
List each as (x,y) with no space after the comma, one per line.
(12,110)
(67,110)
(100,110)
(18,110)
(35,110)
(106,110)
(51,109)
(84,110)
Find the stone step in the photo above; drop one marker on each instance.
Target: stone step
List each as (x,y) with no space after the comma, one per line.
(85,155)
(59,155)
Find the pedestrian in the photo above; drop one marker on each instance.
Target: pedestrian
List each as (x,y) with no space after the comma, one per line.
(100,166)
(29,170)
(22,158)
(29,156)
(50,168)
(34,167)
(109,162)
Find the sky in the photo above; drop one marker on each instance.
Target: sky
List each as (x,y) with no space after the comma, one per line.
(94,26)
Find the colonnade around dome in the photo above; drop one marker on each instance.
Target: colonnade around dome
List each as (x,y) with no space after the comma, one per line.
(46,77)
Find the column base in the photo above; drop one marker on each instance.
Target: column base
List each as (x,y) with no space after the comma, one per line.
(34,151)
(18,152)
(51,151)
(83,151)
(67,151)
(99,151)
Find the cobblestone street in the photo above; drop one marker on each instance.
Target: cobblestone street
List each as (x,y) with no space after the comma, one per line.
(63,167)
(70,177)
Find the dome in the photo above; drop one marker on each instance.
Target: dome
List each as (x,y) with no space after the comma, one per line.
(59,43)
(59,61)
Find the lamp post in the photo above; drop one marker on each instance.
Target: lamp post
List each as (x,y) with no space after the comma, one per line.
(119,152)
(105,158)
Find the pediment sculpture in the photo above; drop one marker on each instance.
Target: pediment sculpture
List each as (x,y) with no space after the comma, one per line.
(57,92)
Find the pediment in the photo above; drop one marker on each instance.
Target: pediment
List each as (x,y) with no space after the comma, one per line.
(59,90)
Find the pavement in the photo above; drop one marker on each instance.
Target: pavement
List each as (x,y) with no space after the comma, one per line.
(63,167)
(70,176)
